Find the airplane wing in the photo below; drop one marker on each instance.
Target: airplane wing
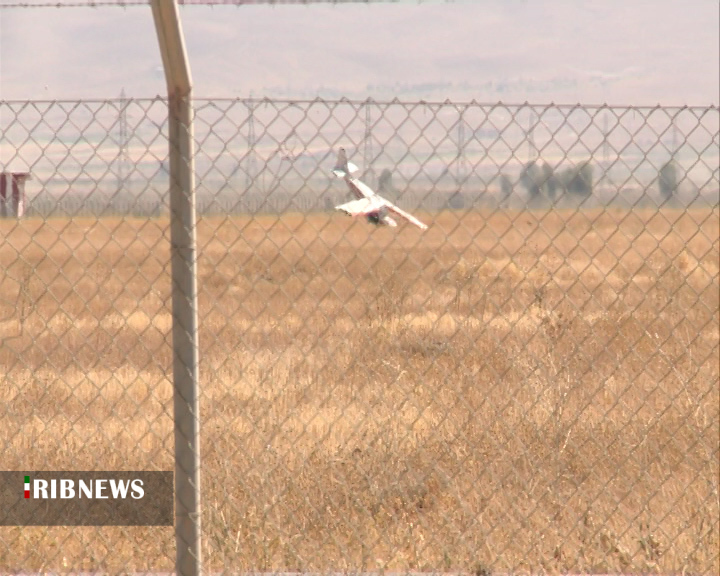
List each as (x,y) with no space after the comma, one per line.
(409,217)
(361,207)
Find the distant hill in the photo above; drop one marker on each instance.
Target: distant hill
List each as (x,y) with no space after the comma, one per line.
(641,52)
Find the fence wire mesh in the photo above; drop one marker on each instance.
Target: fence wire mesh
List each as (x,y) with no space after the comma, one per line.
(530,384)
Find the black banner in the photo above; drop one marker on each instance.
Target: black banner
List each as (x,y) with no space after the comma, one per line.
(55,498)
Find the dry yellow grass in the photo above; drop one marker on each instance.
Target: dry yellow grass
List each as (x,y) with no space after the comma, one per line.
(508,391)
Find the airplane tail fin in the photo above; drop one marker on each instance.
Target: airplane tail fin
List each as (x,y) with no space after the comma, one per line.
(342,166)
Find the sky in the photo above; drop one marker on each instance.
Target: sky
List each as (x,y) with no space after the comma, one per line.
(643,52)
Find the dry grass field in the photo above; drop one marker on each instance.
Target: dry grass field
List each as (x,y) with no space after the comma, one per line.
(508,391)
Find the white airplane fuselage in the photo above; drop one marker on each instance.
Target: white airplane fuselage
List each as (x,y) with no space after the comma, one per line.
(362,190)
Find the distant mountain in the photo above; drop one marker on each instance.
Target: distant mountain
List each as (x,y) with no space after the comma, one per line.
(643,52)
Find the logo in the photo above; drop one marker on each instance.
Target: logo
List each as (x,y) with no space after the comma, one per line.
(99,488)
(86,498)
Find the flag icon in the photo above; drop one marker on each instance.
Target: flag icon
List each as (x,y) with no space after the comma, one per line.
(27,486)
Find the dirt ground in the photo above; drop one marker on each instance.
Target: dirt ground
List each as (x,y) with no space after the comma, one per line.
(530,390)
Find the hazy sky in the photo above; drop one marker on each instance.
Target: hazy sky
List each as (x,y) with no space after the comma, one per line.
(566,51)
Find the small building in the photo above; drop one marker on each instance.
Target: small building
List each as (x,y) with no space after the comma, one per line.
(12,205)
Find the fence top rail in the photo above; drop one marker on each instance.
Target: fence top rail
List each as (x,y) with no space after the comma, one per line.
(460,103)
(257,101)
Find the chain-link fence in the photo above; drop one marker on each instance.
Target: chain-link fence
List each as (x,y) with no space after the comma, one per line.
(530,384)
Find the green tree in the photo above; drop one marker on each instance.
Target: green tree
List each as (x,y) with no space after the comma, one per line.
(385,184)
(506,187)
(578,180)
(551,185)
(668,179)
(533,178)
(538,179)
(457,201)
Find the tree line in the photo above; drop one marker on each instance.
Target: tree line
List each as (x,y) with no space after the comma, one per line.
(540,180)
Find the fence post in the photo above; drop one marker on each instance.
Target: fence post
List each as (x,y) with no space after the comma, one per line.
(3,194)
(184,288)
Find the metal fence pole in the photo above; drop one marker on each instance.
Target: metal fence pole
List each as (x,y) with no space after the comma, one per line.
(184,288)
